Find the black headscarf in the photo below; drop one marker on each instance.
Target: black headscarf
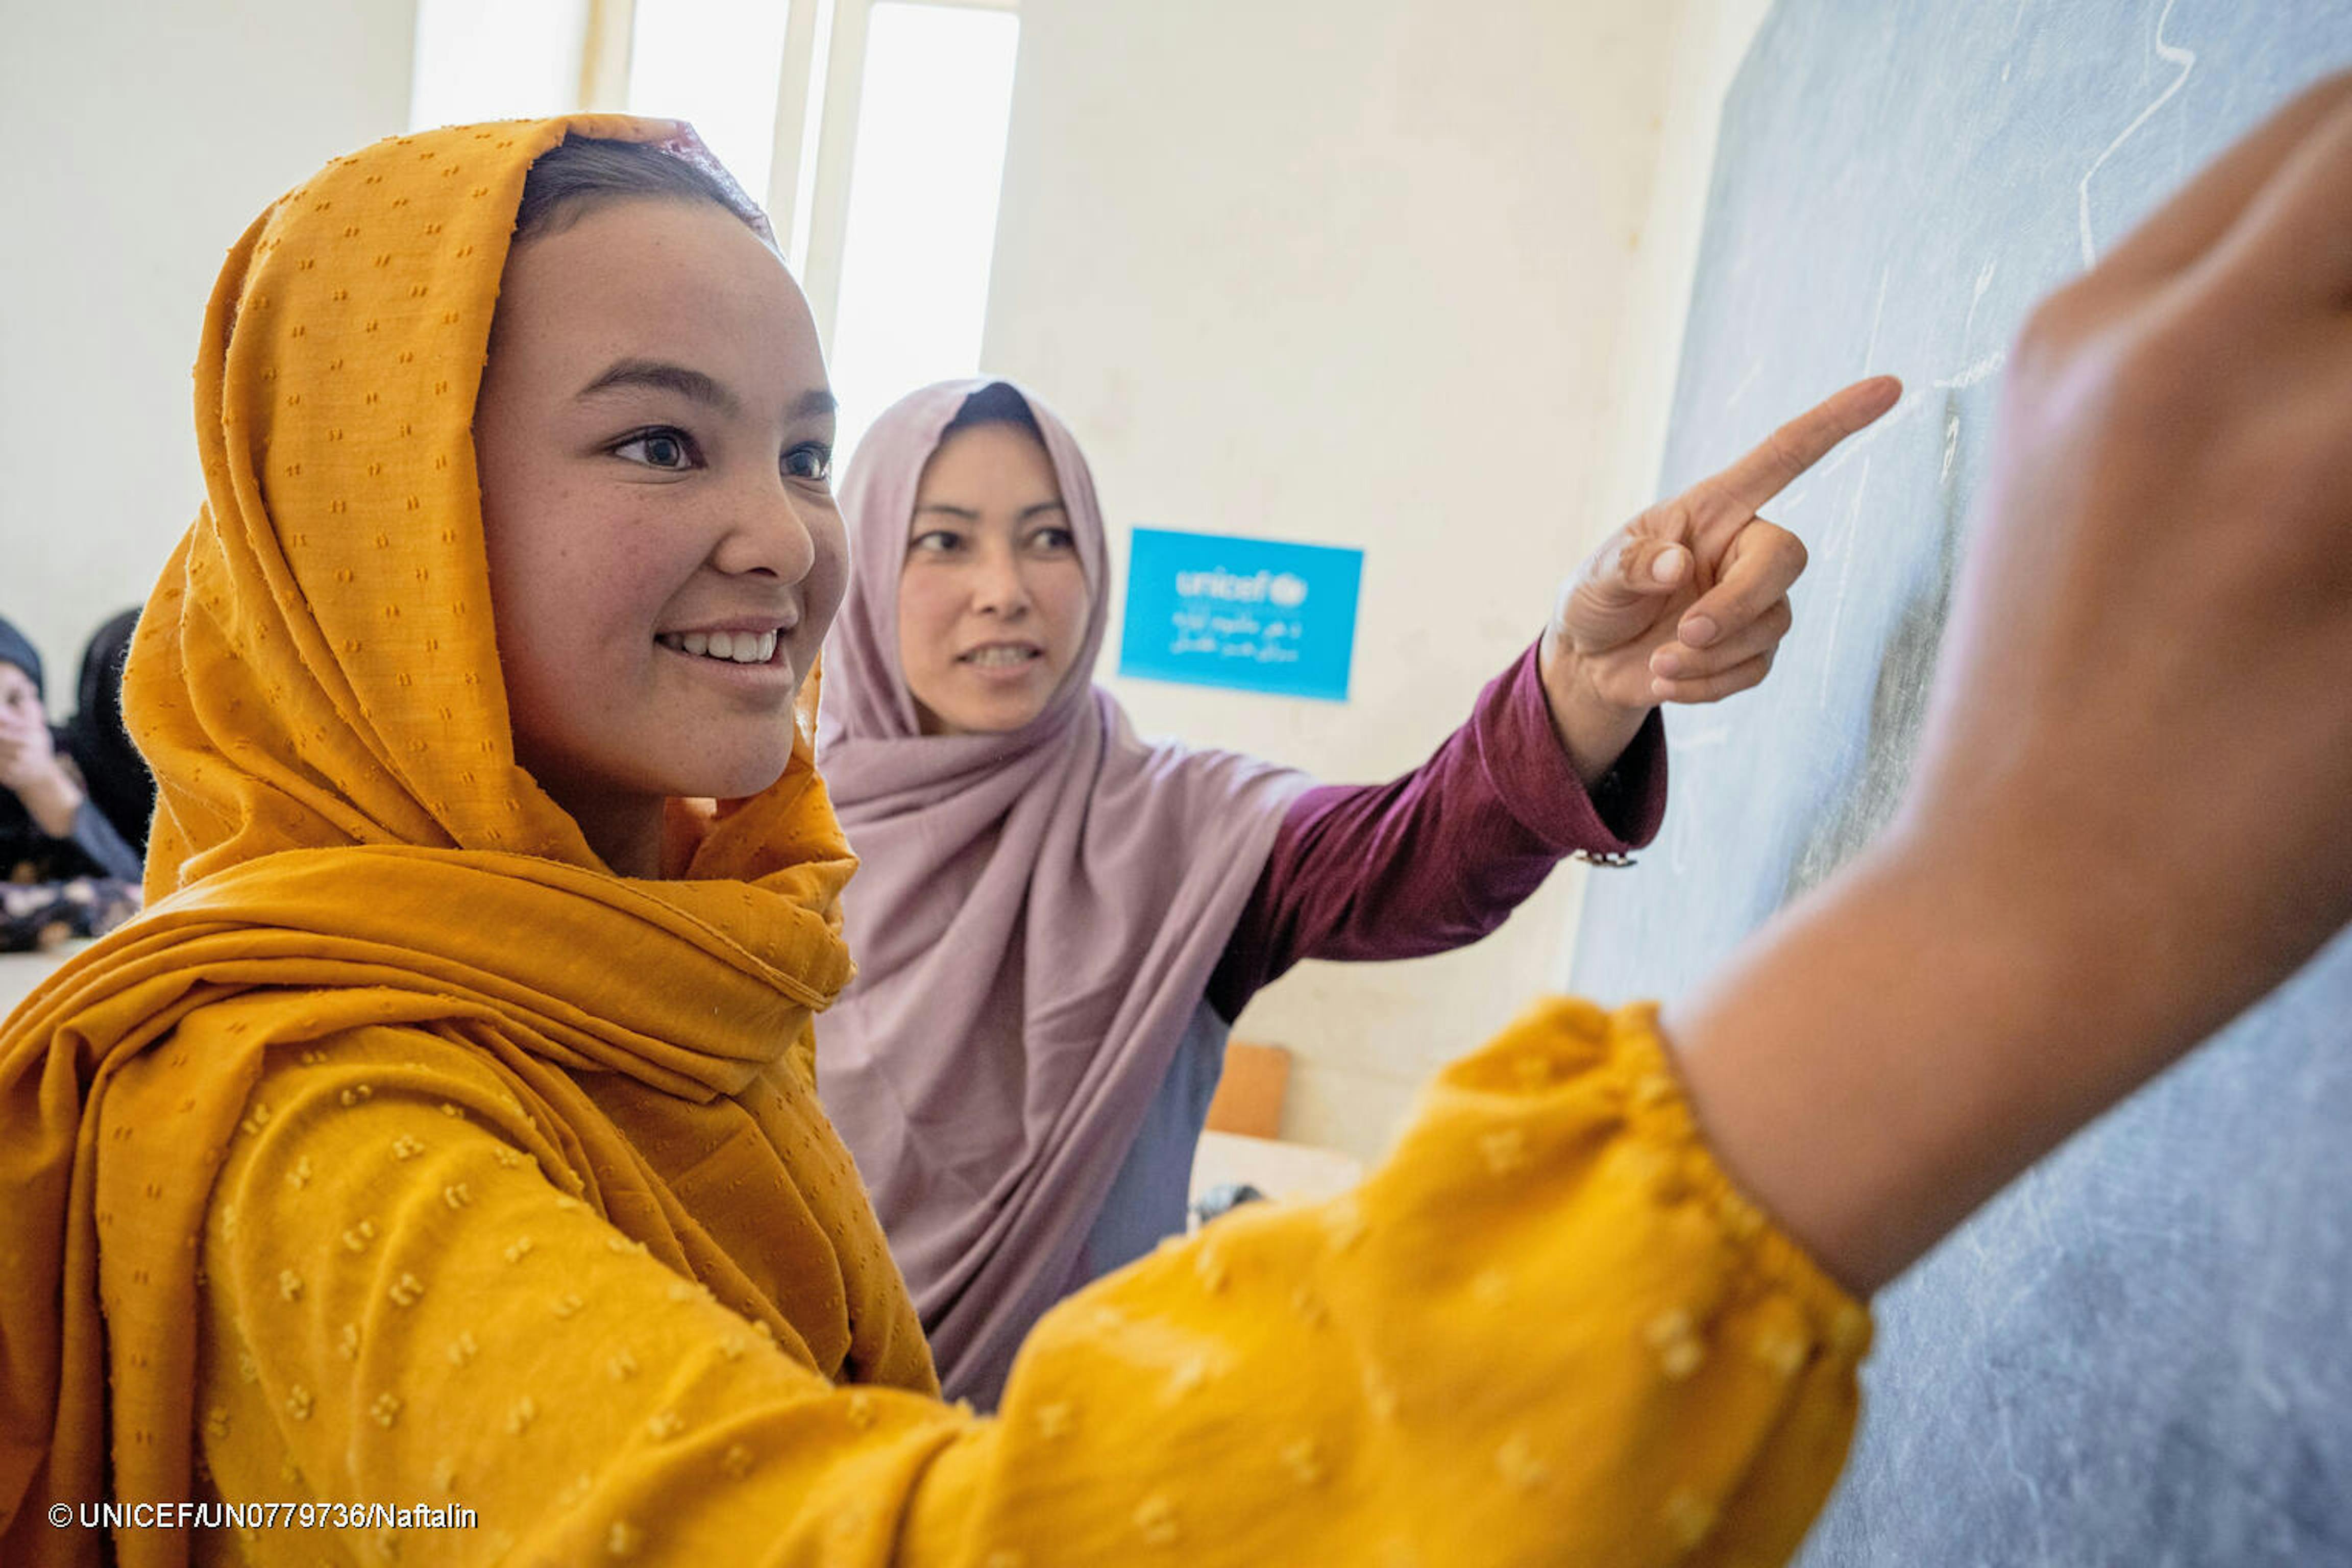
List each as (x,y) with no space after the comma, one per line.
(15,648)
(93,855)
(22,842)
(113,772)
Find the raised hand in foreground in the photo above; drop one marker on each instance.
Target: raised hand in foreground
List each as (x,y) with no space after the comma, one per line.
(2154,627)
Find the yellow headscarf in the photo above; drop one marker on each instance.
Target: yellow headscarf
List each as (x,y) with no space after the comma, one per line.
(341,821)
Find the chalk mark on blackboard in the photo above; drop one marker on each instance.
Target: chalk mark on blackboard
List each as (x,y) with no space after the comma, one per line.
(1844,545)
(1877,314)
(1974,373)
(2015,1468)
(1745,382)
(1855,445)
(1679,832)
(1984,281)
(2267,1390)
(1697,739)
(1876,760)
(1859,443)
(2187,60)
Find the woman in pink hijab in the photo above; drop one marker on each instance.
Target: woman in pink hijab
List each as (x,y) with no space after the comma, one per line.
(1057,922)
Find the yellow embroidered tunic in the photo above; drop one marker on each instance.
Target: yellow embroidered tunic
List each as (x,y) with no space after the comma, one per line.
(402,1157)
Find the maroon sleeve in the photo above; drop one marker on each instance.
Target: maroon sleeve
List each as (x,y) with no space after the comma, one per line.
(1436,860)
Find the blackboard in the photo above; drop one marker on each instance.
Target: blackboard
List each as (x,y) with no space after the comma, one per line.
(2141,1354)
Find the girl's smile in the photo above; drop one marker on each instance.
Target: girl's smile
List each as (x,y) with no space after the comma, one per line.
(655,437)
(751,646)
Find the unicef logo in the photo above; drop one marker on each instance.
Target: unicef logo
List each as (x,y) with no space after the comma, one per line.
(1286,591)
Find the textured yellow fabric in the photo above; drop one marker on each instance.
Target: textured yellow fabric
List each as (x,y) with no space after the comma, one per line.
(344,839)
(416,1158)
(1545,1332)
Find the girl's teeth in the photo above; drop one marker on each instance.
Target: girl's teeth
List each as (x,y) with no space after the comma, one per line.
(735,648)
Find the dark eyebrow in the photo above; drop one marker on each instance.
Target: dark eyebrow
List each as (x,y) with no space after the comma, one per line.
(706,390)
(665,377)
(970,515)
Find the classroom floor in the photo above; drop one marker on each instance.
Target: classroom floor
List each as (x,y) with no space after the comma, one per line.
(1298,1172)
(20,972)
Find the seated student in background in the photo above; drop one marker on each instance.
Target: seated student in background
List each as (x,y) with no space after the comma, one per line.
(471,1154)
(115,773)
(1055,923)
(64,872)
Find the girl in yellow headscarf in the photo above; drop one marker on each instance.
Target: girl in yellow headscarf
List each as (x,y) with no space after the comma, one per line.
(434,1172)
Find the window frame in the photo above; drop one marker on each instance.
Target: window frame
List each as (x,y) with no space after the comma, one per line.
(807,197)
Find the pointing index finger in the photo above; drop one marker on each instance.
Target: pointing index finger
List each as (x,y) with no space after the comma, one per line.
(1805,440)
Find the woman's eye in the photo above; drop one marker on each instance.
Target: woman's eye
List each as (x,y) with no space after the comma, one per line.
(1054,540)
(937,541)
(813,461)
(668,450)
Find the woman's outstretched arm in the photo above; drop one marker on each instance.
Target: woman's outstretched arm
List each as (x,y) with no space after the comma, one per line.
(1565,753)
(1437,858)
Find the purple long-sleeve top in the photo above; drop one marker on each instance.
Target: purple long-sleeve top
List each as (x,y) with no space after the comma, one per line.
(1439,857)
(1423,864)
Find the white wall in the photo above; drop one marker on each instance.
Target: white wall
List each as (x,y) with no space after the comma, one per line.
(1399,274)
(1394,274)
(142,139)
(1707,40)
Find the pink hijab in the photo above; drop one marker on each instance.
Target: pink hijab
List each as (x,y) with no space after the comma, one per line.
(1034,919)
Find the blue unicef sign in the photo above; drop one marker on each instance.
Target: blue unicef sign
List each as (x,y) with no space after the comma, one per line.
(1213,610)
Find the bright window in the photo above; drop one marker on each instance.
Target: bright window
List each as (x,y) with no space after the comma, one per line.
(921,226)
(493,60)
(716,63)
(873,130)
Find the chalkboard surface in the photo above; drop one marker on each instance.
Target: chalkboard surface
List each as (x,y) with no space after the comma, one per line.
(2142,1352)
